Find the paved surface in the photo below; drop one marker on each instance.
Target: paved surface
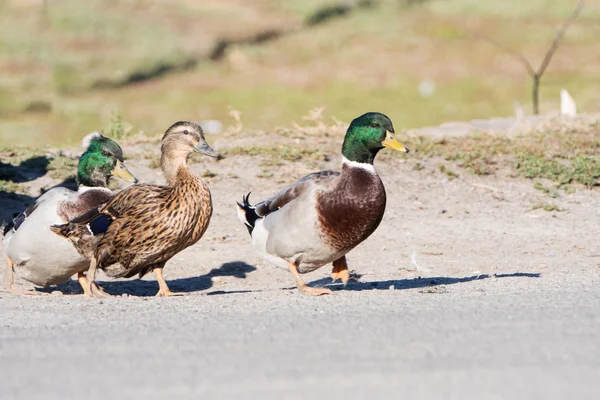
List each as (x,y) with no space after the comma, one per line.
(519,337)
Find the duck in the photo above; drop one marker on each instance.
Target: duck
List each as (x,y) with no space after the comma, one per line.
(143,226)
(32,251)
(319,218)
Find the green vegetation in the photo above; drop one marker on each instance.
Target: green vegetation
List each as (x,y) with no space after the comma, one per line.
(67,65)
(208,174)
(273,155)
(559,155)
(546,207)
(117,128)
(11,187)
(61,167)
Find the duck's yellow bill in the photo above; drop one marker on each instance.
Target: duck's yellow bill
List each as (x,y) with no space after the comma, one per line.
(392,143)
(121,171)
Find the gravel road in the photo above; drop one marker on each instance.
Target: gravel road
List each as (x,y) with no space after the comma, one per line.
(505,337)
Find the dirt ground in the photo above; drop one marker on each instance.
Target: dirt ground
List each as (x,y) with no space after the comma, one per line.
(464,292)
(445,230)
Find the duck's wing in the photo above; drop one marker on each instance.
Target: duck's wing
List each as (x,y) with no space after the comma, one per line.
(118,205)
(288,194)
(249,214)
(85,230)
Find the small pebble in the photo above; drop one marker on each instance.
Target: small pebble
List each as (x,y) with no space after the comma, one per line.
(124,295)
(391,287)
(57,293)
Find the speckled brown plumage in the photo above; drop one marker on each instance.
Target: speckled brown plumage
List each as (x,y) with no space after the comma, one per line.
(347,220)
(146,225)
(152,224)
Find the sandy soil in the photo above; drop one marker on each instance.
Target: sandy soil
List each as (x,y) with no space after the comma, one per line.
(433,226)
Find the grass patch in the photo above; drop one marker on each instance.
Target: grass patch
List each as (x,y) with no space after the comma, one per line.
(117,128)
(11,187)
(447,171)
(61,167)
(15,155)
(208,174)
(273,155)
(546,207)
(551,192)
(57,53)
(560,155)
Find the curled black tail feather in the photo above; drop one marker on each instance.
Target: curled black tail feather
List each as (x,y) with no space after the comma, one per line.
(247,213)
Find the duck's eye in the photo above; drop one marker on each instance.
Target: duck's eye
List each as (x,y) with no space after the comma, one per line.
(105,153)
(185,132)
(374,125)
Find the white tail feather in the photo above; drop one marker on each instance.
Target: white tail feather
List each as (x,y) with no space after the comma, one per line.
(241,213)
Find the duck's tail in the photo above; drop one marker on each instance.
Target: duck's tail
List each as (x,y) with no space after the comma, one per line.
(5,227)
(247,213)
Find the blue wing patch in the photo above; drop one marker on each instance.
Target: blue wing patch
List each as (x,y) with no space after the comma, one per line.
(100,225)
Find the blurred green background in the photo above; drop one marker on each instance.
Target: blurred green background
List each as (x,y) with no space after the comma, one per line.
(68,67)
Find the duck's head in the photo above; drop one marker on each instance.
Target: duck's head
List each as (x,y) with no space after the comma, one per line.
(368,134)
(183,138)
(102,159)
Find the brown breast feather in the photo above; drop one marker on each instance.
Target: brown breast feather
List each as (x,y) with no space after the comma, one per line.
(352,211)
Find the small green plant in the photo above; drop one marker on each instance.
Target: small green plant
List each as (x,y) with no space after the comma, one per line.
(11,187)
(447,171)
(61,167)
(551,192)
(117,128)
(418,166)
(546,207)
(208,174)
(275,154)
(265,173)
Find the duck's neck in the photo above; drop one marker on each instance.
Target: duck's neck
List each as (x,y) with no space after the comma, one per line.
(349,165)
(171,163)
(94,179)
(354,149)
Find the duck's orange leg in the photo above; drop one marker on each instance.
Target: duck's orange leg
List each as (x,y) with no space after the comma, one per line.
(10,275)
(302,286)
(163,287)
(93,290)
(340,270)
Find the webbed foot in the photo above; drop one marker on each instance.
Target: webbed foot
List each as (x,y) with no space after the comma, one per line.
(314,291)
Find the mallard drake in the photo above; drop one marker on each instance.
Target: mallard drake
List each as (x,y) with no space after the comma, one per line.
(324,215)
(31,249)
(142,227)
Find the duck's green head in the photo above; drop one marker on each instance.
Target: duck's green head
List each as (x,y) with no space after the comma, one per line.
(368,134)
(102,159)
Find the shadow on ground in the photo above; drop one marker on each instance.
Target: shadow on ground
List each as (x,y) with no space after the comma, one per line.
(416,283)
(13,203)
(428,285)
(146,288)
(28,170)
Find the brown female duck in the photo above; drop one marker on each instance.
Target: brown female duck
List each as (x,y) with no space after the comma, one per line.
(144,226)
